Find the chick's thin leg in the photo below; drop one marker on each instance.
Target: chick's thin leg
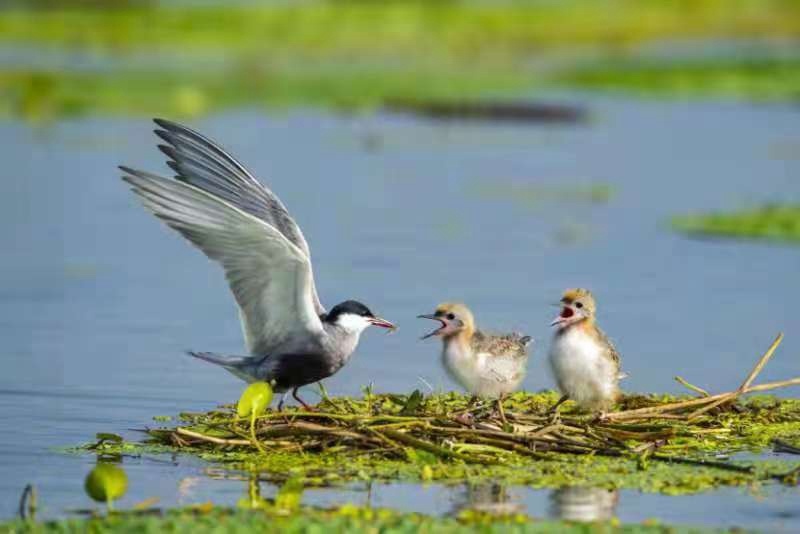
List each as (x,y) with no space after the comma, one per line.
(555,416)
(500,410)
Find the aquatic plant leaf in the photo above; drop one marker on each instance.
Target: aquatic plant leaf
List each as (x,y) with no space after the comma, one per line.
(106,483)
(254,400)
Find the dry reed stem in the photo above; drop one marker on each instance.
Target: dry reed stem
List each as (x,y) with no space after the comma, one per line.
(692,387)
(712,401)
(211,439)
(761,363)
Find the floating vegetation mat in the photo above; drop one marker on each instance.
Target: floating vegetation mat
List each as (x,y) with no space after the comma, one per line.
(275,518)
(774,222)
(650,442)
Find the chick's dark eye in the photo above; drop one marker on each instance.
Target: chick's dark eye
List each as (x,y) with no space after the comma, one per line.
(579,304)
(451,316)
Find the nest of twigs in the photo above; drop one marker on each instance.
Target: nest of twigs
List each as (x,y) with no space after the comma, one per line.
(447,427)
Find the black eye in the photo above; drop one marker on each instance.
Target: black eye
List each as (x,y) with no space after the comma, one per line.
(579,304)
(451,316)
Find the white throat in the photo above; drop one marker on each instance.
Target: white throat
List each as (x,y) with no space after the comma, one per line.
(352,323)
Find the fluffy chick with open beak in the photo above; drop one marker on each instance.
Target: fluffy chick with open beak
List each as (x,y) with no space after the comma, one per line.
(585,363)
(486,365)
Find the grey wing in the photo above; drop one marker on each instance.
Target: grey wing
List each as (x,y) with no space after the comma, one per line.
(200,162)
(513,345)
(270,276)
(612,350)
(522,343)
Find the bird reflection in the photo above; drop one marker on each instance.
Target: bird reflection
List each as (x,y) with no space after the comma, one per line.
(583,504)
(488,497)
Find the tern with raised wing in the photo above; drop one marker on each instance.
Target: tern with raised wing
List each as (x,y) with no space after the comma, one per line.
(222,209)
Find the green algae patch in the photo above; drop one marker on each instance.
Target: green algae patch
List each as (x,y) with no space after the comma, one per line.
(345,519)
(773,222)
(441,438)
(751,79)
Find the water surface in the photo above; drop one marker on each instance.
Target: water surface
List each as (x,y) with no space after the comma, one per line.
(98,300)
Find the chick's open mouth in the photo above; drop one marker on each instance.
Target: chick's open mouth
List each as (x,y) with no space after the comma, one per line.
(442,325)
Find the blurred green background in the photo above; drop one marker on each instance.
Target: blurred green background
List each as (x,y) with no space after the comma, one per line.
(188,58)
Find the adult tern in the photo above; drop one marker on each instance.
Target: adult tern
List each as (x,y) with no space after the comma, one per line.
(222,209)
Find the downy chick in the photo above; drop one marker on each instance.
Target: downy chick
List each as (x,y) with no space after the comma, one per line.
(490,366)
(585,364)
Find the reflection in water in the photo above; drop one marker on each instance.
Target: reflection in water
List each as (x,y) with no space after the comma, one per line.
(253,499)
(583,504)
(491,498)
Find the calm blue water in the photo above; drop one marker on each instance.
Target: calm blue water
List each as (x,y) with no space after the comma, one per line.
(98,300)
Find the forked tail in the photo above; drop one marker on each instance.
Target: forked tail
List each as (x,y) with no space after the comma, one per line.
(243,367)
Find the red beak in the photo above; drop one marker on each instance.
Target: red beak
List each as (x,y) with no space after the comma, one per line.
(383,323)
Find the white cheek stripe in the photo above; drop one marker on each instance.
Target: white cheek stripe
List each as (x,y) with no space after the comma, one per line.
(352,322)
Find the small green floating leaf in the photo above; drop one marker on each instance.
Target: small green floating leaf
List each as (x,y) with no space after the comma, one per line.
(106,483)
(255,400)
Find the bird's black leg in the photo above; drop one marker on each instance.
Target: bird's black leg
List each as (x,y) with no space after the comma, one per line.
(281,402)
(301,401)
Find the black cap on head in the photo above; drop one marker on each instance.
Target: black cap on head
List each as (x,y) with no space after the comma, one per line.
(348,306)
